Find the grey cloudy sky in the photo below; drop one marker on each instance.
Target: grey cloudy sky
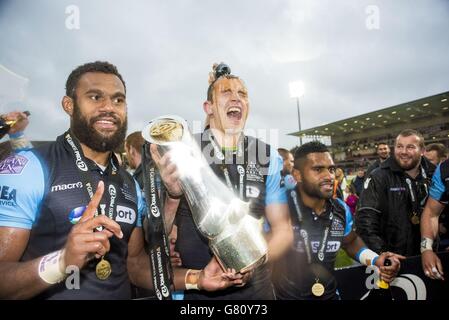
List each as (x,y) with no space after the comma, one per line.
(165,49)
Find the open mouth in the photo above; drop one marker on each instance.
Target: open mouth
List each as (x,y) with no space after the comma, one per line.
(327,185)
(106,123)
(234,113)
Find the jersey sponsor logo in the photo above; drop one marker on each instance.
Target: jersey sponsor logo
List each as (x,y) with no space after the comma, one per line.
(398,189)
(253,172)
(332,246)
(68,186)
(125,214)
(14,164)
(75,214)
(8,196)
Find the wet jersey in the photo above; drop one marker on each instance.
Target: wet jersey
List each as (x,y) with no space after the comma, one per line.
(293,275)
(42,191)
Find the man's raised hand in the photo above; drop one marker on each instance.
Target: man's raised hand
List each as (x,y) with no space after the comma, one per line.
(84,242)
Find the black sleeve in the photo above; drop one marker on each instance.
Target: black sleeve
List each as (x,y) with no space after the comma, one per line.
(371,168)
(369,212)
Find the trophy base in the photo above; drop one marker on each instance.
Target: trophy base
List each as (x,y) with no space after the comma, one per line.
(241,247)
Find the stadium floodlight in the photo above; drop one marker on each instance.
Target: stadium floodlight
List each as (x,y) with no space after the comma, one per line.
(297,91)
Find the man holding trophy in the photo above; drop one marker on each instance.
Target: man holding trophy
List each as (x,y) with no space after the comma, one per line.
(223,190)
(69,210)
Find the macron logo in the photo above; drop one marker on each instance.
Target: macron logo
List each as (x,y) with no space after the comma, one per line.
(68,186)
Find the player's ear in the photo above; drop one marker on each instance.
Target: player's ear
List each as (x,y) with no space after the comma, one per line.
(207,107)
(67,105)
(297,175)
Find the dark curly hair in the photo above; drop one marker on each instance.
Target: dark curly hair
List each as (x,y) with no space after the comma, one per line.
(307,148)
(97,66)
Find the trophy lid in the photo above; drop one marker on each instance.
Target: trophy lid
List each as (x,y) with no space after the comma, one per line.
(165,130)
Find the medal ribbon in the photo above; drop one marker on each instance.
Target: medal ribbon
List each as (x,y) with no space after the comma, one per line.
(80,162)
(305,235)
(158,248)
(413,197)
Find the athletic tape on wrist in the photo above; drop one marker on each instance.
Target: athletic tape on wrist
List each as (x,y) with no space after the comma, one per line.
(191,280)
(366,256)
(426,244)
(51,267)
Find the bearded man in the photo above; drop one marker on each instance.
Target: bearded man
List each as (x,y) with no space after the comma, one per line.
(394,196)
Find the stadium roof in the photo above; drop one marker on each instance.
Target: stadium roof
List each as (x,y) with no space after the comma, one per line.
(414,114)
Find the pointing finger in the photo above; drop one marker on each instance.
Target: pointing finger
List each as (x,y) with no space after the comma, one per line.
(89,213)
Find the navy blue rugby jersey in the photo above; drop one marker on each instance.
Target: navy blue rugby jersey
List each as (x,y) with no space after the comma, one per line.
(42,191)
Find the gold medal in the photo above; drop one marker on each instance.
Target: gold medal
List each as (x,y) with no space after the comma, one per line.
(103,269)
(415,219)
(317,289)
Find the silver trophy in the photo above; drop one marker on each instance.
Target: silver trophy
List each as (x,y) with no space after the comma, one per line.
(234,235)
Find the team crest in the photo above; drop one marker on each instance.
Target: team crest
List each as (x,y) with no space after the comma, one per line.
(13,164)
(253,173)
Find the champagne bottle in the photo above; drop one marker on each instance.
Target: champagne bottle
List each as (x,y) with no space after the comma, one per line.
(6,125)
(383,291)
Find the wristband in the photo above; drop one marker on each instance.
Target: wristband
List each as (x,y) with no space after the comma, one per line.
(191,279)
(426,244)
(51,267)
(366,256)
(16,135)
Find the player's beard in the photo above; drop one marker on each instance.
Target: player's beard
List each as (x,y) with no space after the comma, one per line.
(85,132)
(314,191)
